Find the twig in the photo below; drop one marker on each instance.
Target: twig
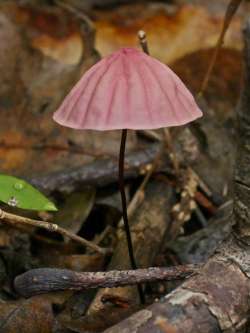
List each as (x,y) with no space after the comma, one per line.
(143,41)
(166,132)
(200,216)
(102,236)
(52,227)
(139,194)
(101,172)
(43,280)
(231,10)
(87,27)
(172,154)
(71,9)
(203,201)
(201,183)
(150,134)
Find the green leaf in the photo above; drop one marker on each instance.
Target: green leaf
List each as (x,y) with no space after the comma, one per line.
(17,193)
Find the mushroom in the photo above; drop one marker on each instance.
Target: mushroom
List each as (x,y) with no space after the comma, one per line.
(127,90)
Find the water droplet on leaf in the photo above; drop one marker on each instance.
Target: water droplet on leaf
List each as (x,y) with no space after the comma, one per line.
(12,202)
(19,186)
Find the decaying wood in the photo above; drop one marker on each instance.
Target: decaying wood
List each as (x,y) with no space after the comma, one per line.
(99,173)
(199,246)
(43,280)
(13,220)
(148,227)
(217,299)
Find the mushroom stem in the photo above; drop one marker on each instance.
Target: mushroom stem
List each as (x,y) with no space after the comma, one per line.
(124,209)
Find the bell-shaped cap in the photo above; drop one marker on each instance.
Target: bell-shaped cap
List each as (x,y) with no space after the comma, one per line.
(128,90)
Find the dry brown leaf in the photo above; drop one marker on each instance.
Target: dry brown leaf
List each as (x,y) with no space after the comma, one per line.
(172,31)
(29,316)
(223,90)
(39,63)
(76,262)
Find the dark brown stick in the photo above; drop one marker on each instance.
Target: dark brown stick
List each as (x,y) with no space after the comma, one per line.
(43,280)
(124,209)
(98,173)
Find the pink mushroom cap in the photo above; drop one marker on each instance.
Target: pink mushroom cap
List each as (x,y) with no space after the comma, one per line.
(128,90)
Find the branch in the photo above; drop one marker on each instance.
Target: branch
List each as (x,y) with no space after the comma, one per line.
(98,173)
(43,280)
(15,219)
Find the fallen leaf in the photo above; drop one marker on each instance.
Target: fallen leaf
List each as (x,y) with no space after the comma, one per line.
(223,89)
(76,262)
(172,31)
(39,64)
(31,316)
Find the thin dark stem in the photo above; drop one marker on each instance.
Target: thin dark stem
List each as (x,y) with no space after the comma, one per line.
(124,209)
(231,10)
